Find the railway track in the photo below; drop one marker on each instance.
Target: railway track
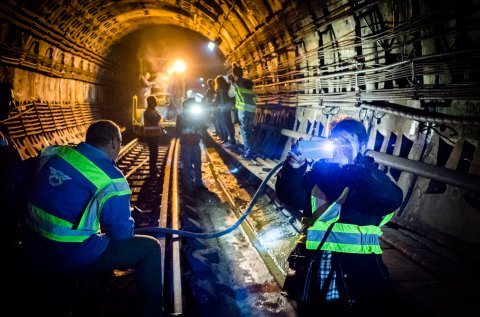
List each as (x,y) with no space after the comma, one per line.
(222,277)
(432,274)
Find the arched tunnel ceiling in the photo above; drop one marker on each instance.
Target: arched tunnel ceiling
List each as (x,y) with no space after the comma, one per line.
(98,24)
(298,53)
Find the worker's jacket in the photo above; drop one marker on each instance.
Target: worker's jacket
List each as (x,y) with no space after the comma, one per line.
(190,128)
(342,237)
(152,121)
(244,96)
(360,271)
(75,191)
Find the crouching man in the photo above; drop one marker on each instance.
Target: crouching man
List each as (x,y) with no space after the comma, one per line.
(79,215)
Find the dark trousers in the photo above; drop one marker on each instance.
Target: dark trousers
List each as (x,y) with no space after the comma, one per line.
(245,119)
(227,124)
(216,121)
(191,158)
(141,253)
(152,143)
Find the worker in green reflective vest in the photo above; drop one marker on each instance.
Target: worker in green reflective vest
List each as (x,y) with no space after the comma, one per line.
(242,89)
(345,200)
(79,215)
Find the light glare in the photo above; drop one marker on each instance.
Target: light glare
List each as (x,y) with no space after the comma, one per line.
(271,237)
(329,146)
(196,109)
(179,66)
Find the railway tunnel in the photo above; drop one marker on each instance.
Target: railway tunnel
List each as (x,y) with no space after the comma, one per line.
(409,70)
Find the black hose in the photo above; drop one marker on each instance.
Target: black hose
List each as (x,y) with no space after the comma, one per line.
(210,235)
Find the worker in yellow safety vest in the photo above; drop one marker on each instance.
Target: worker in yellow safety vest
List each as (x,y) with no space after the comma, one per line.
(242,89)
(79,217)
(345,201)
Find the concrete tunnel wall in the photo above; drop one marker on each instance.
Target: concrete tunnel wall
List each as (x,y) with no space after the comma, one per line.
(408,69)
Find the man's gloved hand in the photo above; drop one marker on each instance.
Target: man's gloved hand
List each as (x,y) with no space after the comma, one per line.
(294,157)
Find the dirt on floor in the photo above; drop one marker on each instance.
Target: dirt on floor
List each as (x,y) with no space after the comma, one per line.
(227,275)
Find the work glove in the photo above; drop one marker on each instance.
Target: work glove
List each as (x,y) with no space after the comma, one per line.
(294,156)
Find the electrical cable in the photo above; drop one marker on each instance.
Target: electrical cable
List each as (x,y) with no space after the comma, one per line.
(211,235)
(225,19)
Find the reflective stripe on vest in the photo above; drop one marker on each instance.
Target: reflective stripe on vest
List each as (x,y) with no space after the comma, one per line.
(90,219)
(345,238)
(318,201)
(84,166)
(189,130)
(58,229)
(152,131)
(244,99)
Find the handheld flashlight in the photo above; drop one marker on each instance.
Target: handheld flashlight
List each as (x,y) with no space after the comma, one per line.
(317,149)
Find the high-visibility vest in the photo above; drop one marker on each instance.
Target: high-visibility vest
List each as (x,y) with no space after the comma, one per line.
(319,203)
(151,130)
(57,229)
(190,129)
(345,238)
(244,99)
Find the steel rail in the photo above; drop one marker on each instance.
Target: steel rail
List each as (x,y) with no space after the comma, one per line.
(249,229)
(133,170)
(169,212)
(164,204)
(126,149)
(177,302)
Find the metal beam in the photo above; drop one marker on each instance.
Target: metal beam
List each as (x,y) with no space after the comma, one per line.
(441,174)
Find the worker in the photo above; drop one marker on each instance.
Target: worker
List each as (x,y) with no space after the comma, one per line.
(152,132)
(352,279)
(79,215)
(190,127)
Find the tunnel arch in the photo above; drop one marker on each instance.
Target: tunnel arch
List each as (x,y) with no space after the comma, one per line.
(408,68)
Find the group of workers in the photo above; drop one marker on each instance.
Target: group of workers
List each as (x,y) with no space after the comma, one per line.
(231,98)
(190,127)
(226,97)
(345,199)
(78,217)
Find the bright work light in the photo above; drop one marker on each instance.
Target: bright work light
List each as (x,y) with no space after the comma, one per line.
(196,109)
(179,66)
